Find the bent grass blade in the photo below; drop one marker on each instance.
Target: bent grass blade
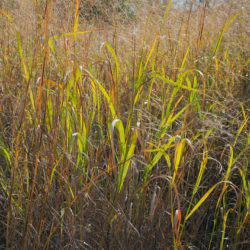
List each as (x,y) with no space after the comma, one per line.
(176,84)
(118,124)
(177,157)
(222,33)
(105,94)
(126,151)
(111,50)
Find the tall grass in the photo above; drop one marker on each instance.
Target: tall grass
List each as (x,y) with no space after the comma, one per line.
(124,132)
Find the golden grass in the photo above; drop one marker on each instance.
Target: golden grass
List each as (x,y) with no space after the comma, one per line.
(123,130)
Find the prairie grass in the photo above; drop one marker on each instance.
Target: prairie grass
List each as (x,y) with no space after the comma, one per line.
(124,128)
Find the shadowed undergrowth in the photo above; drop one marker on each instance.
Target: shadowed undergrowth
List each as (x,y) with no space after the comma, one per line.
(124,132)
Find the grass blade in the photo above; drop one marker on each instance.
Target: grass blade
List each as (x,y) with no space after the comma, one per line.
(201,201)
(222,33)
(176,84)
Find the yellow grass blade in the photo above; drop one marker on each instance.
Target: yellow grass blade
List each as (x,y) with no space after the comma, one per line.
(105,94)
(176,84)
(239,132)
(71,34)
(115,58)
(21,55)
(202,169)
(166,11)
(184,60)
(129,153)
(224,229)
(204,197)
(118,124)
(151,51)
(222,33)
(177,156)
(11,20)
(230,164)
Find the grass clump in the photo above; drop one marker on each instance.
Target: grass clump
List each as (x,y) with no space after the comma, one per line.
(124,134)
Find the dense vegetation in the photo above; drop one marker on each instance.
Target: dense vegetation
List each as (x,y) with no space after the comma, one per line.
(124,127)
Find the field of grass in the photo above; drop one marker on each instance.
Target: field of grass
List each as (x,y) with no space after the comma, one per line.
(124,127)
